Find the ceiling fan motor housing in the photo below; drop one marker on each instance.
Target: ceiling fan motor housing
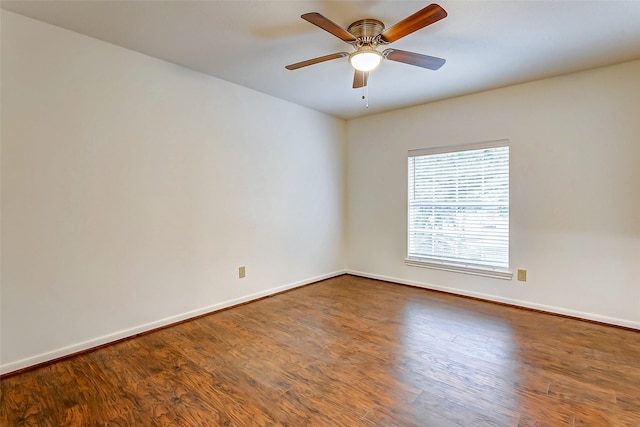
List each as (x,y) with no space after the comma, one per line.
(367,31)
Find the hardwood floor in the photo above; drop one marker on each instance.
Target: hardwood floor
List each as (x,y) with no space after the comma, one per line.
(345,352)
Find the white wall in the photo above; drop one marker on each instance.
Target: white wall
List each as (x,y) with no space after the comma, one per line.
(133,189)
(575,190)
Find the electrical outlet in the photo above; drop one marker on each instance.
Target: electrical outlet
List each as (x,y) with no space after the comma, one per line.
(241,272)
(522,275)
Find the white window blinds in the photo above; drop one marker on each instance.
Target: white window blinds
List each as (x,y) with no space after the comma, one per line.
(459,206)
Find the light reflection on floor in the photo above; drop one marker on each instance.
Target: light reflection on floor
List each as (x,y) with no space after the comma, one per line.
(451,353)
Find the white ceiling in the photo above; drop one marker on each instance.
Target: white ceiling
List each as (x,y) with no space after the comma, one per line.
(487,44)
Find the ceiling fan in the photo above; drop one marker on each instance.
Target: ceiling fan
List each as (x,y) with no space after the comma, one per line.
(365,35)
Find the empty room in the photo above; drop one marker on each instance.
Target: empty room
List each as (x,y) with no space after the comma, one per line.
(320,213)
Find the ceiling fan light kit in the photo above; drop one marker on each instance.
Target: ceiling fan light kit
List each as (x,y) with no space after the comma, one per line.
(365,58)
(365,35)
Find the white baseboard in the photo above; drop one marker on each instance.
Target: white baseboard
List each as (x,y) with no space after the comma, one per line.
(126,333)
(494,298)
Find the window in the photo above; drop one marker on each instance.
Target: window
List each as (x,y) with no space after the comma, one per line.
(459,209)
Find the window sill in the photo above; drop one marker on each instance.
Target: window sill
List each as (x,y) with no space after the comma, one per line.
(496,273)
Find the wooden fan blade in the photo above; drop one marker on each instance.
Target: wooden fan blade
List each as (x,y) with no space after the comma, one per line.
(418,20)
(360,79)
(326,24)
(316,60)
(417,59)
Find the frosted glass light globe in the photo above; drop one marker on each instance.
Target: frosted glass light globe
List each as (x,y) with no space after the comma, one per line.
(365,60)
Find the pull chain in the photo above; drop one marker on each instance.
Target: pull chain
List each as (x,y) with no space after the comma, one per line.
(366,91)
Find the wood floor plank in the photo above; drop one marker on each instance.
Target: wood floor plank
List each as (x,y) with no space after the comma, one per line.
(346,351)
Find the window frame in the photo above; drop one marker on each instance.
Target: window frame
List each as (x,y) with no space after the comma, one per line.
(459,266)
